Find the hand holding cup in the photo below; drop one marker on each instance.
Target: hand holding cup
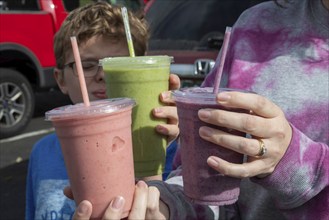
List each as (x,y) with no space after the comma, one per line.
(266,122)
(146,205)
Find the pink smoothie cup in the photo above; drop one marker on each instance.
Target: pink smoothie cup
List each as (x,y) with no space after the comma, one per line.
(203,184)
(96,144)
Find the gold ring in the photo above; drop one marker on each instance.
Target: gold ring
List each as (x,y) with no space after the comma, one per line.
(262,149)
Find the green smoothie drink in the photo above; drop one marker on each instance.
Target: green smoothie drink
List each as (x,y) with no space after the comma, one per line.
(142,78)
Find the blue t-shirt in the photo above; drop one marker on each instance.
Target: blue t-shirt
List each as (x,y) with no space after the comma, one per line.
(47,177)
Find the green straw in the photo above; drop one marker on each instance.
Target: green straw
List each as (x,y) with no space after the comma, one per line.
(127,29)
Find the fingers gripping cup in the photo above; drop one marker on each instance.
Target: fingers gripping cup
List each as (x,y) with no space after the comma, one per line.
(97,147)
(202,184)
(142,78)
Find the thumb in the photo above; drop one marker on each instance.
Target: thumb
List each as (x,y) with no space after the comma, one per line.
(83,211)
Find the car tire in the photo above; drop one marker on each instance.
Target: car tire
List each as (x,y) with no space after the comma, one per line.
(16,102)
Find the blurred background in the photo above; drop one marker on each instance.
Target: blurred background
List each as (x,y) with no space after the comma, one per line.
(189,30)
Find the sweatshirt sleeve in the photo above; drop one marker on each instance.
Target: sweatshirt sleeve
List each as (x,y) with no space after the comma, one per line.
(179,206)
(300,181)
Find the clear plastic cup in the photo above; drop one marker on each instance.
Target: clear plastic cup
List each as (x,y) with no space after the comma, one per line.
(203,184)
(143,79)
(97,147)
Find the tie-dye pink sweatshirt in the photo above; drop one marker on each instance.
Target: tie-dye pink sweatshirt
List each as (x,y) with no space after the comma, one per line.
(283,54)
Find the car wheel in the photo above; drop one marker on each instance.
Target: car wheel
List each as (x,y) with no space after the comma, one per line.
(16,102)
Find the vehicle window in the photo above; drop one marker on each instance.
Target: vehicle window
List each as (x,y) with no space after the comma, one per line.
(25,5)
(188,24)
(71,4)
(131,4)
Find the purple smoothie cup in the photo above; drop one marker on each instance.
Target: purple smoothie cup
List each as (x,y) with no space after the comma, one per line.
(203,184)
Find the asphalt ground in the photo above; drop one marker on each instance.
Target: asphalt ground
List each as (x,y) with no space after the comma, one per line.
(12,190)
(13,172)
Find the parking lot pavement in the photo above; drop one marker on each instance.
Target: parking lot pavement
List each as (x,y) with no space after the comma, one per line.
(14,157)
(12,190)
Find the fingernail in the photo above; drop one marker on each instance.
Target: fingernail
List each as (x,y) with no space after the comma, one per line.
(157,110)
(204,114)
(223,96)
(212,162)
(165,95)
(205,131)
(161,129)
(83,208)
(117,203)
(142,184)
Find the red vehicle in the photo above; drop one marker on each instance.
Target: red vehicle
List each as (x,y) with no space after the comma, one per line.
(26,57)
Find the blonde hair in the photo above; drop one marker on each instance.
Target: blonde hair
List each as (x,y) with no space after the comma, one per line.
(99,19)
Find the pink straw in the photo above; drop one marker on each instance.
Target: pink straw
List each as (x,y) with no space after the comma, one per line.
(80,71)
(222,59)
